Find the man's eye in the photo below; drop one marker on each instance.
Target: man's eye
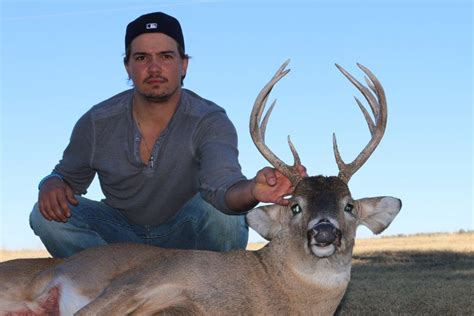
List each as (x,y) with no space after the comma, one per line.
(167,57)
(296,209)
(139,58)
(348,208)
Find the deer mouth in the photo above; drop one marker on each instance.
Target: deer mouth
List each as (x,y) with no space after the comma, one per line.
(324,239)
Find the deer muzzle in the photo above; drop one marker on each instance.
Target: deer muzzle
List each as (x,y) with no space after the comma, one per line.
(324,238)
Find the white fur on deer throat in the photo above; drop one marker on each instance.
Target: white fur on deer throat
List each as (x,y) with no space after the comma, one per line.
(326,273)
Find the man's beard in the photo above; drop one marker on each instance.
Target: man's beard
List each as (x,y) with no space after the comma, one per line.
(154,98)
(158,97)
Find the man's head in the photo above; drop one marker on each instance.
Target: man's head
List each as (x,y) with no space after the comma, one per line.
(157,22)
(155,54)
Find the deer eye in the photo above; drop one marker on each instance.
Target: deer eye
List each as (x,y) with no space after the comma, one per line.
(348,208)
(296,209)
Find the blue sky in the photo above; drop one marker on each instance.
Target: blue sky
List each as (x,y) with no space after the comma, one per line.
(59,58)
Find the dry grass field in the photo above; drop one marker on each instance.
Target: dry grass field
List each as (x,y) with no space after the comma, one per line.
(6,255)
(426,274)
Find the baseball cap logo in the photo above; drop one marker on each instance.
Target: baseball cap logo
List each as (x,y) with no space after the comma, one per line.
(150,26)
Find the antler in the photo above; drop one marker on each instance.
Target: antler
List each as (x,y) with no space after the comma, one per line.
(378,104)
(257,129)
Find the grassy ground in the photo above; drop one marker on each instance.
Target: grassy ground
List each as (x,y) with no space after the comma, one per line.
(427,274)
(413,275)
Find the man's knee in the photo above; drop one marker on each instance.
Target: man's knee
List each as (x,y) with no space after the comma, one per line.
(37,222)
(64,239)
(222,231)
(41,225)
(233,231)
(45,229)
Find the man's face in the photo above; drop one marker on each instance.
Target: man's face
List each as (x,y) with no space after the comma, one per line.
(155,66)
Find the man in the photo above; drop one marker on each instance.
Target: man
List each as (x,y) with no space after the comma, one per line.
(166,161)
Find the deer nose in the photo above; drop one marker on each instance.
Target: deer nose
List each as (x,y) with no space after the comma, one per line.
(325,233)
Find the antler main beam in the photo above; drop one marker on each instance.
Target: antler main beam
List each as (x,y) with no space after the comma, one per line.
(378,105)
(258,127)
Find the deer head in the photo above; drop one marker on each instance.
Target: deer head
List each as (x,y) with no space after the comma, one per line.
(322,214)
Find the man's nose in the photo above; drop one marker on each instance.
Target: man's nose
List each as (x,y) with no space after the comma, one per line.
(155,66)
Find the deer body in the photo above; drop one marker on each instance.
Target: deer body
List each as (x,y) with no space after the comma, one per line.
(285,277)
(239,282)
(305,269)
(233,283)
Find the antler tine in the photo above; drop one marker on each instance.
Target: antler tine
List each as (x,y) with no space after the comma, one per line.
(296,157)
(368,119)
(378,104)
(371,85)
(364,90)
(257,129)
(263,125)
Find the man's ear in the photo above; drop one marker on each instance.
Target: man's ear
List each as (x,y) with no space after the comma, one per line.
(127,70)
(184,67)
(378,212)
(267,220)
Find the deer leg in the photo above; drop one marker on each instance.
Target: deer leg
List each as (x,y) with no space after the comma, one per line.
(120,299)
(46,304)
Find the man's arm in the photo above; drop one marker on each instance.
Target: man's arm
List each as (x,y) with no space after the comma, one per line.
(217,150)
(269,185)
(72,175)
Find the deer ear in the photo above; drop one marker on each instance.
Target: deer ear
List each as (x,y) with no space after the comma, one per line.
(378,212)
(267,220)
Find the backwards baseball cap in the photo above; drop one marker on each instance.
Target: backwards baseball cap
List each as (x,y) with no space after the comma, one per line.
(157,22)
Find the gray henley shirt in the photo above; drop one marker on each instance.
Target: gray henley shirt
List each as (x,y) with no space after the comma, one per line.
(197,152)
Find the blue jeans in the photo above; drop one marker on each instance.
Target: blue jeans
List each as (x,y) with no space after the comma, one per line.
(197,225)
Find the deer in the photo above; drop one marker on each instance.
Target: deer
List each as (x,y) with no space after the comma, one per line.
(304,269)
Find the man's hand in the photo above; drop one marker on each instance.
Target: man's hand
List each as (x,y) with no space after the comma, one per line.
(272,187)
(53,199)
(269,186)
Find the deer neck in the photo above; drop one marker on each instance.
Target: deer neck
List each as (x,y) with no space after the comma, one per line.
(325,278)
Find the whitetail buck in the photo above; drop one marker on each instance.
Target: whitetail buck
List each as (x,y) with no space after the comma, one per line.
(305,269)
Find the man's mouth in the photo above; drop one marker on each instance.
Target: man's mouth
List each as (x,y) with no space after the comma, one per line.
(155,80)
